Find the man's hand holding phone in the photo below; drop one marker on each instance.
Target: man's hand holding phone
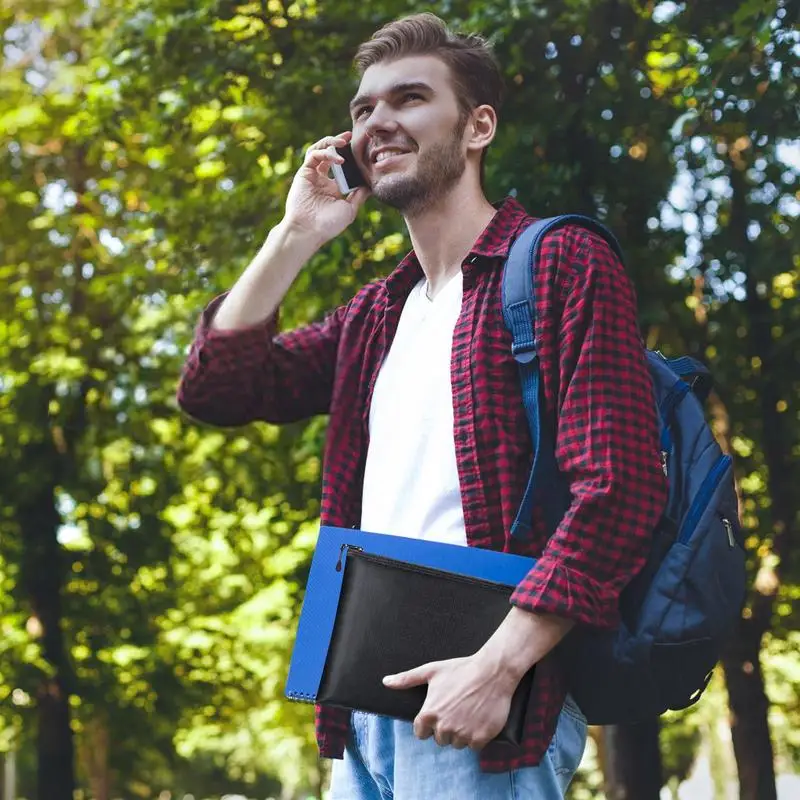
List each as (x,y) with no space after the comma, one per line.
(316,204)
(346,172)
(316,212)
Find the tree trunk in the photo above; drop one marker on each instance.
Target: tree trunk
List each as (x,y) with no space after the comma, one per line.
(749,705)
(10,774)
(632,762)
(43,580)
(54,768)
(93,753)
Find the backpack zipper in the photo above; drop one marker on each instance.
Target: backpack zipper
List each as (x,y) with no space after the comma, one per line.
(674,396)
(703,498)
(729,530)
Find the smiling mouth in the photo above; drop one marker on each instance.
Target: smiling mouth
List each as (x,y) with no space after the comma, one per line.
(386,155)
(387,164)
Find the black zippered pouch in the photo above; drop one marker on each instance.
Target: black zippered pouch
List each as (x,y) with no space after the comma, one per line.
(393,616)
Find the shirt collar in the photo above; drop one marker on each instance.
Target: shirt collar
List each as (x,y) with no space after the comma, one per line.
(494,242)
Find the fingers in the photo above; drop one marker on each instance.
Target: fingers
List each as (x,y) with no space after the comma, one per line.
(324,150)
(358,197)
(330,141)
(424,726)
(318,159)
(413,677)
(427,725)
(340,140)
(443,738)
(478,742)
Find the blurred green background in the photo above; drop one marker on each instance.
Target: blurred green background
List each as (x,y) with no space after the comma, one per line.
(151,569)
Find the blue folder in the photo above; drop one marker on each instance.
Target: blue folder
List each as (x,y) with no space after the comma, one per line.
(324,585)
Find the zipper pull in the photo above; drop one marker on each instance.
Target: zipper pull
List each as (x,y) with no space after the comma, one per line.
(342,556)
(729,530)
(664,459)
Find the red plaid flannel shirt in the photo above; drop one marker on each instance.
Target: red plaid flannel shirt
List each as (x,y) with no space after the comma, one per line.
(595,382)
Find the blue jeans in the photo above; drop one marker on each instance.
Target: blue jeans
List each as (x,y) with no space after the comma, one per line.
(383,760)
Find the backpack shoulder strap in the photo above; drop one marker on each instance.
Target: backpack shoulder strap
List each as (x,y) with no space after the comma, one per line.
(517,280)
(519,314)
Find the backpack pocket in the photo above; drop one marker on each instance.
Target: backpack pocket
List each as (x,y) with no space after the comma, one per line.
(699,592)
(682,670)
(699,615)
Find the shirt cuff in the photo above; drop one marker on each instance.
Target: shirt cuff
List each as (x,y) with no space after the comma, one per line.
(552,587)
(208,333)
(208,341)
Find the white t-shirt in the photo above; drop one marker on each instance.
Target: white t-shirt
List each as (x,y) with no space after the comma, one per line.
(411,483)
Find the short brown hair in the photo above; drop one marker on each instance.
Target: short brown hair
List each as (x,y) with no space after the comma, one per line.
(476,76)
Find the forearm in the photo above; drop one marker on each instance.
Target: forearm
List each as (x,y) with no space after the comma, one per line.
(263,285)
(522,640)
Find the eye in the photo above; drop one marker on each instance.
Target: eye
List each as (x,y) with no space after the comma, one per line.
(360,111)
(411,96)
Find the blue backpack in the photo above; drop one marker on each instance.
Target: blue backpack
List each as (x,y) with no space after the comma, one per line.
(678,612)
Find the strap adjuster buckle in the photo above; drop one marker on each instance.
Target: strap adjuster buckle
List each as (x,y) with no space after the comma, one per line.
(524,352)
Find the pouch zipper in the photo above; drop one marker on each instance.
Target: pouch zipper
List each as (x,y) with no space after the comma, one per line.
(702,498)
(420,569)
(343,555)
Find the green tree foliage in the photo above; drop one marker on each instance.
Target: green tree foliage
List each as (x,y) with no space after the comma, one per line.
(151,569)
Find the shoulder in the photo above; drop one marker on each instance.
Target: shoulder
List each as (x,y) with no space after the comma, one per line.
(577,249)
(573,258)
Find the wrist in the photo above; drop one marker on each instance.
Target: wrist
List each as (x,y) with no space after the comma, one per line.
(522,639)
(291,233)
(498,669)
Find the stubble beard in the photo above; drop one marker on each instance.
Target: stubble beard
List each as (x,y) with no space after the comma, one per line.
(438,171)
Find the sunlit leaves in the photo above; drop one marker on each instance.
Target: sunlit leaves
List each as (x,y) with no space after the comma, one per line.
(17,120)
(785,285)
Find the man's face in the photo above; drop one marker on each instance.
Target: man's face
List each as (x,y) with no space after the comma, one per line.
(408,132)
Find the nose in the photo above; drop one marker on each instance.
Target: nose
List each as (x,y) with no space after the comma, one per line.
(380,121)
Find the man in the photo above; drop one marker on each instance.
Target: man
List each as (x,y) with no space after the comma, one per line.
(427,435)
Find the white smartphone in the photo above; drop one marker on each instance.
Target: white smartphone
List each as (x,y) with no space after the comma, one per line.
(348,176)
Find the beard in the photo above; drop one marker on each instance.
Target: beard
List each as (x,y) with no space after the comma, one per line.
(438,170)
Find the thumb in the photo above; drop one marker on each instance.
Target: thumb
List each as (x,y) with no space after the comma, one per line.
(358,197)
(410,678)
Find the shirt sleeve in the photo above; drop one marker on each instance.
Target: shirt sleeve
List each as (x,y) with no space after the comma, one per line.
(234,377)
(596,380)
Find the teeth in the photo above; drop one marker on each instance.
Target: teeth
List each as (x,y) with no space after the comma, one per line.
(382,156)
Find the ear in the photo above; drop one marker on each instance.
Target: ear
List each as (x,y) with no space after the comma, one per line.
(481,128)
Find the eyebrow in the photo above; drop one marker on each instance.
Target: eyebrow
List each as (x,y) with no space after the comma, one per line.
(398,88)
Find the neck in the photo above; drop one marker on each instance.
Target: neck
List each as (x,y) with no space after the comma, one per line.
(444,233)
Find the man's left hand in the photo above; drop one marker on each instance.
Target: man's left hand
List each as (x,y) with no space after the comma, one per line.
(469,698)
(467,704)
